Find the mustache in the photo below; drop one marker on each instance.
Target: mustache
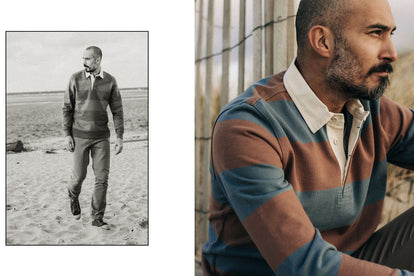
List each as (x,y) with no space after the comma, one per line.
(383,67)
(86,66)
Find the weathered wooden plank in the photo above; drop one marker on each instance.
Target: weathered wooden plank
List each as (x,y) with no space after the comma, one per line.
(242,46)
(257,41)
(226,54)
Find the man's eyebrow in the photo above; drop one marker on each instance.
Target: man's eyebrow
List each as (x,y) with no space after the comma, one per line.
(381,26)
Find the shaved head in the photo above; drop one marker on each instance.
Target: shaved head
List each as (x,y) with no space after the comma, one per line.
(328,13)
(96,51)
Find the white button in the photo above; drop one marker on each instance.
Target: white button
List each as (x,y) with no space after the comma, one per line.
(335,141)
(334,119)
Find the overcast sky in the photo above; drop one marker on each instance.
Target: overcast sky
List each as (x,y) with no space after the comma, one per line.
(404,19)
(44,61)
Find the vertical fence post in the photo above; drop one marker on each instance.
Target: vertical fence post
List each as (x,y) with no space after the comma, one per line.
(226,54)
(197,76)
(242,33)
(257,40)
(198,134)
(280,34)
(202,185)
(291,33)
(269,10)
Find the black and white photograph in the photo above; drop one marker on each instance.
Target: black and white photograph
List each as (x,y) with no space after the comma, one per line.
(77,138)
(147,227)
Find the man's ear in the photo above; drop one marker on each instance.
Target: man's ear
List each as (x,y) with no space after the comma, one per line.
(322,41)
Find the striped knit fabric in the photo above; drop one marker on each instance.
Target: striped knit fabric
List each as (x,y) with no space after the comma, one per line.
(278,207)
(85,109)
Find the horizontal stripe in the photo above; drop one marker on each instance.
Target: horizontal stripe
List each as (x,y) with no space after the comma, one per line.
(244,97)
(402,154)
(229,265)
(271,228)
(231,146)
(90,134)
(90,125)
(227,226)
(217,191)
(390,113)
(307,164)
(93,117)
(91,106)
(378,183)
(364,156)
(351,267)
(350,238)
(286,118)
(268,91)
(250,187)
(336,207)
(316,257)
(236,259)
(246,113)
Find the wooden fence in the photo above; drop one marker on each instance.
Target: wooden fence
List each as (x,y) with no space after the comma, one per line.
(225,64)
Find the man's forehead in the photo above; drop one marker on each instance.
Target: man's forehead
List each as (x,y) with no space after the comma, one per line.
(89,53)
(367,13)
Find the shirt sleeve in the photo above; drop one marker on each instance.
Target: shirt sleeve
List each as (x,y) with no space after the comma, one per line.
(68,107)
(115,104)
(397,124)
(247,162)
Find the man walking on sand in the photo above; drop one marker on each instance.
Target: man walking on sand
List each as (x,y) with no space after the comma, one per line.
(85,122)
(299,160)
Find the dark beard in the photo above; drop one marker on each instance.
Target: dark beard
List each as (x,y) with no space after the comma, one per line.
(345,69)
(361,92)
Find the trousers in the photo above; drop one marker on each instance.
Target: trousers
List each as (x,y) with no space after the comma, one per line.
(99,150)
(392,245)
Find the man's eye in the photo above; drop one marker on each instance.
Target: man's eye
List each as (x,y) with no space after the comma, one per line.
(376,32)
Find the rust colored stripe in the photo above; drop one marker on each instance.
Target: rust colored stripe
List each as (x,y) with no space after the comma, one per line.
(227,225)
(279,227)
(274,90)
(239,143)
(391,115)
(350,238)
(364,157)
(308,165)
(351,266)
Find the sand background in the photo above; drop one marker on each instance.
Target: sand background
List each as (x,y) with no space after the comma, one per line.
(37,206)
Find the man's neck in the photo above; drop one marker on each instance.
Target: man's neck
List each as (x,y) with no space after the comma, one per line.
(316,78)
(96,71)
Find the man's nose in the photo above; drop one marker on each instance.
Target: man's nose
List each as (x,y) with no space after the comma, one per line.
(389,53)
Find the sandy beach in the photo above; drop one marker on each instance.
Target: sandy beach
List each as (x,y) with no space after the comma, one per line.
(37,204)
(38,210)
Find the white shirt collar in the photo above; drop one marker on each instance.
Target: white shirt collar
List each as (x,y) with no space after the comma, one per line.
(87,74)
(314,111)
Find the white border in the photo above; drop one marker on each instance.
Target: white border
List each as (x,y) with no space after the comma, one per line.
(171,137)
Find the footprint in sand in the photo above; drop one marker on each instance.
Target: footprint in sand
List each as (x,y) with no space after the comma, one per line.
(144,223)
(59,219)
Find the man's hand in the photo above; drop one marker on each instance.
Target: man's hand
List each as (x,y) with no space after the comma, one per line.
(118,145)
(69,143)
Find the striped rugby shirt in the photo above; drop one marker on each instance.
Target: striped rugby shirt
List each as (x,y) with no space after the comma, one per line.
(85,105)
(279,206)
